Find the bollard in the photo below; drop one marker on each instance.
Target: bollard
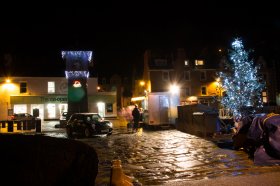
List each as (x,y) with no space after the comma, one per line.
(24,123)
(18,125)
(38,125)
(3,123)
(10,126)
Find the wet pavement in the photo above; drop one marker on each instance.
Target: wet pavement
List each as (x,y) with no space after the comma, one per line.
(158,157)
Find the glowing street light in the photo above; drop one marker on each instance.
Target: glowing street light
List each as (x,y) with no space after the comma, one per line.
(142,83)
(174,89)
(8,86)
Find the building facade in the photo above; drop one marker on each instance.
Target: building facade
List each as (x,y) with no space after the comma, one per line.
(50,96)
(195,77)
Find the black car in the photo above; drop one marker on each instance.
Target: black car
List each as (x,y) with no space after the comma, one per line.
(22,116)
(87,124)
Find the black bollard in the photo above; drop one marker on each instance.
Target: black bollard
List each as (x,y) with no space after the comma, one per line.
(10,126)
(38,125)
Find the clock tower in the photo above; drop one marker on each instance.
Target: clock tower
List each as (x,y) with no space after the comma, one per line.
(77,73)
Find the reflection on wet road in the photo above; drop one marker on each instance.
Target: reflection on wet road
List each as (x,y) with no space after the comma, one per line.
(156,157)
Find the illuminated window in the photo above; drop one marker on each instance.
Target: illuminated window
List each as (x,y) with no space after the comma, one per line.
(203,91)
(51,87)
(187,75)
(186,63)
(264,97)
(199,62)
(202,75)
(165,75)
(23,87)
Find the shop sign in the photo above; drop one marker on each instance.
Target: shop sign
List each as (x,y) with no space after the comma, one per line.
(54,99)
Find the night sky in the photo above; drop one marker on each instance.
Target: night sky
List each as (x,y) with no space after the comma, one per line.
(118,33)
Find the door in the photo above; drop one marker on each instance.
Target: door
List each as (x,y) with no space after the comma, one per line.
(163,109)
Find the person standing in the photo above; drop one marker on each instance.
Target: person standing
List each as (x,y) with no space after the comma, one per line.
(136,117)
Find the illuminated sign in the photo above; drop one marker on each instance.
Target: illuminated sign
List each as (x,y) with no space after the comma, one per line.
(77,84)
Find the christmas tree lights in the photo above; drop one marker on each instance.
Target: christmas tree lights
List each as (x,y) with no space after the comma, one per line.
(241,82)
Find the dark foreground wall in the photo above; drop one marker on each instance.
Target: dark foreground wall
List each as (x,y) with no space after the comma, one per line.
(42,160)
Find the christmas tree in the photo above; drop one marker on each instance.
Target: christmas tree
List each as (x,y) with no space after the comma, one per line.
(241,82)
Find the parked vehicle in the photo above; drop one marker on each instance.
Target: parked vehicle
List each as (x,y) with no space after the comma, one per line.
(88,124)
(22,116)
(162,108)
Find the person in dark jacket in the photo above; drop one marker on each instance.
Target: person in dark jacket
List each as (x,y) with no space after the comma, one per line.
(136,117)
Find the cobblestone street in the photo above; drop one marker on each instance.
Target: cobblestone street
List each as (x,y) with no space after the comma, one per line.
(158,157)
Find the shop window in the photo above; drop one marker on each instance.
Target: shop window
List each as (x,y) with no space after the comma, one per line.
(51,87)
(23,87)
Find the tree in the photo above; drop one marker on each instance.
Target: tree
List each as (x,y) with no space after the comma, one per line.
(241,81)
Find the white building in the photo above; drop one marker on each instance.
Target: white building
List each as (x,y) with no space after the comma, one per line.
(49,95)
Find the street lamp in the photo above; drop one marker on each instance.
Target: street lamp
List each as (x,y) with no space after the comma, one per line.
(8,86)
(174,89)
(142,83)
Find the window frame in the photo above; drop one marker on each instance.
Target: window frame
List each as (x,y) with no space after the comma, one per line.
(22,89)
(51,87)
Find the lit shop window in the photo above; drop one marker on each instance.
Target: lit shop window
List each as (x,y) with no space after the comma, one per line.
(50,111)
(51,87)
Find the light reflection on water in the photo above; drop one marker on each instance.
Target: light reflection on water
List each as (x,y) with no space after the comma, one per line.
(156,157)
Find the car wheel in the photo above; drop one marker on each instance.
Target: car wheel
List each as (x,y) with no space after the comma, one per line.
(87,132)
(69,132)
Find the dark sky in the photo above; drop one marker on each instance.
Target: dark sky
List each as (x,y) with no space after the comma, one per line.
(118,33)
